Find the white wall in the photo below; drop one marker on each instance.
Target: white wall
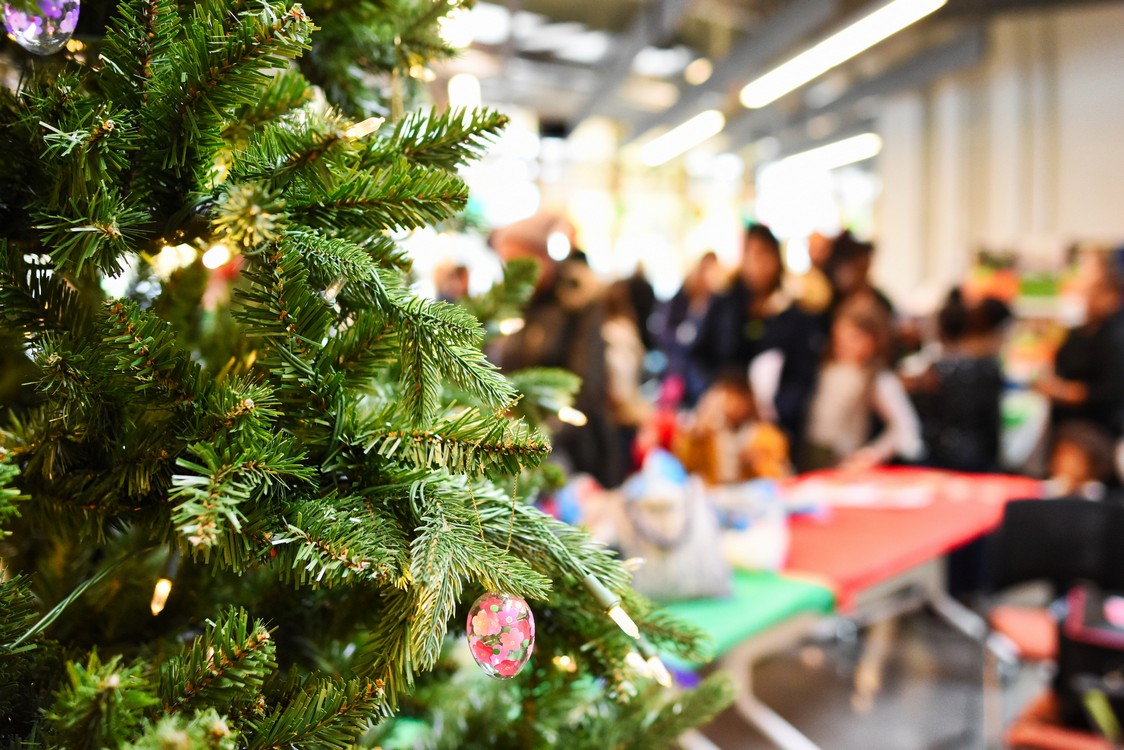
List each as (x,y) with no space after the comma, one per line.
(1026,151)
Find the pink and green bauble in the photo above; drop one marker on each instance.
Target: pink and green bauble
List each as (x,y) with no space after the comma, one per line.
(501,634)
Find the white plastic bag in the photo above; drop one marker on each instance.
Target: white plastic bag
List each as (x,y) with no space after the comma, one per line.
(754,523)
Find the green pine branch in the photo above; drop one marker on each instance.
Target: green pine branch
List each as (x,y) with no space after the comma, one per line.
(144,347)
(90,141)
(442,341)
(356,203)
(206,730)
(327,713)
(208,500)
(335,540)
(9,498)
(100,704)
(34,298)
(224,668)
(286,92)
(333,260)
(445,140)
(99,231)
(140,32)
(215,68)
(470,442)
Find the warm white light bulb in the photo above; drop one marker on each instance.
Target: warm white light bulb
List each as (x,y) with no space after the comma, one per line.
(570,415)
(637,662)
(659,671)
(172,258)
(334,290)
(565,663)
(160,595)
(216,256)
(365,128)
(624,622)
(511,326)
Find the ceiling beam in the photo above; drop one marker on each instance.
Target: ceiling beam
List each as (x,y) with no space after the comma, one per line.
(653,25)
(770,40)
(964,50)
(988,7)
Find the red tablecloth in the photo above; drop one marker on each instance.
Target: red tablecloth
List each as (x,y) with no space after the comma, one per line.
(851,548)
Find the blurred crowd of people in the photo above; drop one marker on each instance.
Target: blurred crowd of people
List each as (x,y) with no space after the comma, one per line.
(744,374)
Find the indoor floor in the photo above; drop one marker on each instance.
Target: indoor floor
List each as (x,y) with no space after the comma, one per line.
(931,695)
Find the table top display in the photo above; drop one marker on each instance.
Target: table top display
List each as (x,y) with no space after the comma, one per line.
(757,602)
(880,523)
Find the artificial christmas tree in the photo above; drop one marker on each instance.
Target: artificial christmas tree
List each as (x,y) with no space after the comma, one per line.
(250,483)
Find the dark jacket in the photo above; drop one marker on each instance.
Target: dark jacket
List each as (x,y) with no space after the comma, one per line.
(1094,356)
(960,420)
(729,338)
(563,329)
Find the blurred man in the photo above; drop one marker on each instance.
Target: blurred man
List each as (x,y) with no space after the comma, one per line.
(1088,379)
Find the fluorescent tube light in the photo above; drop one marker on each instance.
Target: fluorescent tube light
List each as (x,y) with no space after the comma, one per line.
(836,49)
(683,138)
(837,154)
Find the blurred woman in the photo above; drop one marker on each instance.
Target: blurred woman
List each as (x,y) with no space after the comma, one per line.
(756,316)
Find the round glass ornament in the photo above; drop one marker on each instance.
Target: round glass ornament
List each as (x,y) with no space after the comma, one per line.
(42,27)
(501,634)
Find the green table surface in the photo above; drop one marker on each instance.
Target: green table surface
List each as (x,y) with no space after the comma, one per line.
(757,602)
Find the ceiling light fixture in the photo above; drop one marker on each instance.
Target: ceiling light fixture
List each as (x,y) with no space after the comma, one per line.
(837,154)
(683,138)
(836,49)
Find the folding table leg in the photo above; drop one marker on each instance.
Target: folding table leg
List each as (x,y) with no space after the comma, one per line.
(768,721)
(957,615)
(696,740)
(992,701)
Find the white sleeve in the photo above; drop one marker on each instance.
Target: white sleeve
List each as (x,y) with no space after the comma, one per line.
(765,380)
(902,436)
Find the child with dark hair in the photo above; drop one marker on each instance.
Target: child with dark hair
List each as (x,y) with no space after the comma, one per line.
(1081,461)
(855,388)
(848,270)
(958,398)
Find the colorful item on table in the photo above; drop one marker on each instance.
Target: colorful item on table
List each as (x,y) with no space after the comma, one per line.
(41,27)
(905,488)
(501,634)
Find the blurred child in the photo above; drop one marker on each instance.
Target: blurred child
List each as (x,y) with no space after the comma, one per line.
(855,388)
(1081,461)
(958,397)
(723,441)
